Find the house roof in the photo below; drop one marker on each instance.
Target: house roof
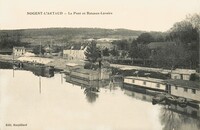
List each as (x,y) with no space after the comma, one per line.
(155,45)
(183,83)
(76,47)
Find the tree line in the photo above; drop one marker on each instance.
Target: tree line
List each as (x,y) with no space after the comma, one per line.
(183,53)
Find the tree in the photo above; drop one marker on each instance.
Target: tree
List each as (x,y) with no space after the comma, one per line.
(183,32)
(114,52)
(8,40)
(92,52)
(171,56)
(106,52)
(145,38)
(133,50)
(186,34)
(38,50)
(139,51)
(194,20)
(121,44)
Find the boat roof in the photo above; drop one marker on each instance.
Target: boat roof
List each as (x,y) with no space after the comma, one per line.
(184,83)
(145,79)
(183,71)
(17,47)
(71,64)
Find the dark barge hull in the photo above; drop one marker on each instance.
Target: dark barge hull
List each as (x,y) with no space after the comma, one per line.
(38,69)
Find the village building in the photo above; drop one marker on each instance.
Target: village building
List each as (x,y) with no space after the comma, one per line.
(19,51)
(184,88)
(75,52)
(183,74)
(104,45)
(155,46)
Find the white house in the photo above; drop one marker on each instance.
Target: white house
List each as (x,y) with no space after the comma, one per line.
(75,52)
(184,88)
(183,74)
(19,51)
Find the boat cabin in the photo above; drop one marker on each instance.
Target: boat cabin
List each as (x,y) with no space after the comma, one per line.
(185,88)
(146,82)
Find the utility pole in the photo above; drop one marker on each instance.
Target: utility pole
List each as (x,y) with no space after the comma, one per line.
(13,62)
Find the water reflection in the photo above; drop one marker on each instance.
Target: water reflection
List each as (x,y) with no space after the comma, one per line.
(36,70)
(6,65)
(172,117)
(91,96)
(109,110)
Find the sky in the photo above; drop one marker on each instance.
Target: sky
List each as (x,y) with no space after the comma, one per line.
(147,15)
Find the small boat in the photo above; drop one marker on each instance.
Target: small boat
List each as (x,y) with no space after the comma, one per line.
(182,102)
(170,99)
(158,98)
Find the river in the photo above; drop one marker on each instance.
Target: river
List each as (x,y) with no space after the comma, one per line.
(51,103)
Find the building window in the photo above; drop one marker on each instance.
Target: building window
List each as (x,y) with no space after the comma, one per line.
(133,81)
(158,85)
(193,91)
(176,87)
(185,89)
(144,83)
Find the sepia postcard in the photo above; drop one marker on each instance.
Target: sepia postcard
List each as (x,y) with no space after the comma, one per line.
(99,65)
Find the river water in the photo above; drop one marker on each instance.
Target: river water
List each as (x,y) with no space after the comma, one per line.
(51,103)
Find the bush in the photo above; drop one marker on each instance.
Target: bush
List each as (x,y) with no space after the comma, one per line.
(194,77)
(92,66)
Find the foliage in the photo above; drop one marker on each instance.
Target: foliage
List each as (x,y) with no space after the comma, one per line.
(145,38)
(38,50)
(183,32)
(105,52)
(92,52)
(139,51)
(171,56)
(194,20)
(114,52)
(194,77)
(89,65)
(121,44)
(10,40)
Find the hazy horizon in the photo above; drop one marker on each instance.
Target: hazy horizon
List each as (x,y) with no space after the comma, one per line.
(77,28)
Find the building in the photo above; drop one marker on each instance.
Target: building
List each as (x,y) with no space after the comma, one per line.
(76,52)
(184,88)
(104,45)
(183,74)
(146,83)
(19,51)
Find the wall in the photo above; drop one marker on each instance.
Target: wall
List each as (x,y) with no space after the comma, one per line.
(74,54)
(178,76)
(19,52)
(180,92)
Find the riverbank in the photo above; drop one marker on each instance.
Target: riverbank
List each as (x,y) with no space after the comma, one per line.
(56,62)
(7,58)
